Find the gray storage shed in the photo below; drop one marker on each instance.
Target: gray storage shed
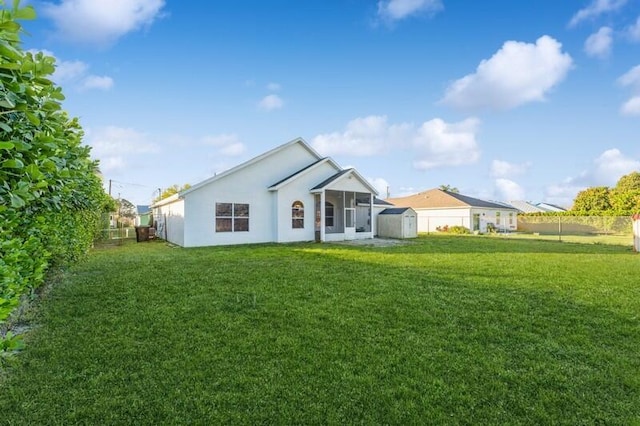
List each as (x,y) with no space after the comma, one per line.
(398,222)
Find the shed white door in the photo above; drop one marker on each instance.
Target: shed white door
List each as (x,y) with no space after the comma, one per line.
(409,230)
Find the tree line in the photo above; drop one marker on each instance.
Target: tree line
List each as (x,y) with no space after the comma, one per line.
(622,199)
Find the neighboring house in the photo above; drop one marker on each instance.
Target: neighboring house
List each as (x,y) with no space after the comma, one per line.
(143,216)
(437,208)
(290,193)
(551,207)
(526,207)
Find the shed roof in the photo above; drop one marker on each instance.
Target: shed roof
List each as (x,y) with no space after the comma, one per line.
(395,210)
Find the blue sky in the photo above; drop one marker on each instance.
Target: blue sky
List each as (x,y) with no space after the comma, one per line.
(502,99)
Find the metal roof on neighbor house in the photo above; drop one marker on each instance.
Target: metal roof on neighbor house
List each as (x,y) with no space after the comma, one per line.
(526,207)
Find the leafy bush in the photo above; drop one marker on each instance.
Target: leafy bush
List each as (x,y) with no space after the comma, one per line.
(50,193)
(457,229)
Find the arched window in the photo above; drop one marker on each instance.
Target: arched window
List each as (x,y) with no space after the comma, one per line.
(297,215)
(328,214)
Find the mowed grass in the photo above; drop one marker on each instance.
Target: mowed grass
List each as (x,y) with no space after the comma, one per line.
(462,330)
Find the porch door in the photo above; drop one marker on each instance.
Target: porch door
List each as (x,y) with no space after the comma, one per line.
(349,224)
(476,222)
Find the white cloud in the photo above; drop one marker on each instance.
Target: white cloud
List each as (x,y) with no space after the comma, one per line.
(611,165)
(394,10)
(607,169)
(76,73)
(598,44)
(516,74)
(631,79)
(69,70)
(595,9)
(270,103)
(446,144)
(381,185)
(97,82)
(101,22)
(366,136)
(631,107)
(228,145)
(633,31)
(273,87)
(509,190)
(503,169)
(117,147)
(436,143)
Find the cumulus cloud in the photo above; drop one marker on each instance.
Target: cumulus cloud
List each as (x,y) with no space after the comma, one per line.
(271,103)
(446,144)
(116,146)
(631,79)
(97,82)
(101,22)
(395,10)
(606,170)
(516,74)
(69,70)
(381,185)
(503,169)
(228,145)
(76,73)
(509,190)
(435,142)
(633,31)
(595,9)
(366,136)
(598,44)
(631,107)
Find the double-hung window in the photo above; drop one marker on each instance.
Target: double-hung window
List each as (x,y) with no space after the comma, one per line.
(297,215)
(232,217)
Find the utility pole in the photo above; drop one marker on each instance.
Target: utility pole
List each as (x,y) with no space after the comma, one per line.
(109,187)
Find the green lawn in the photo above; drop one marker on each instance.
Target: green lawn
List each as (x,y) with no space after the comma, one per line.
(447,329)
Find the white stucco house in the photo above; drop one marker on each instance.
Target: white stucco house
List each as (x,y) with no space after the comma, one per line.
(290,193)
(437,208)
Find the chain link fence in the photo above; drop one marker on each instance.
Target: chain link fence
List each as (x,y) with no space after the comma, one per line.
(612,228)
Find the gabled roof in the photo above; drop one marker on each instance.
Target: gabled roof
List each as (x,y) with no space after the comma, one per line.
(302,171)
(327,181)
(437,198)
(551,207)
(340,175)
(378,202)
(254,160)
(526,207)
(395,210)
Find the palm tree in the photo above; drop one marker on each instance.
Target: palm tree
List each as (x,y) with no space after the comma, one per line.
(449,188)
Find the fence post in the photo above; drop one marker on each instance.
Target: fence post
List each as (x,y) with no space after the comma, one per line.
(559,228)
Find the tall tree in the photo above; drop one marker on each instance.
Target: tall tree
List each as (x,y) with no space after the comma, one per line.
(595,199)
(449,188)
(173,189)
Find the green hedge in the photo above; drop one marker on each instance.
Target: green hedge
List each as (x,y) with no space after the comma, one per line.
(51,195)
